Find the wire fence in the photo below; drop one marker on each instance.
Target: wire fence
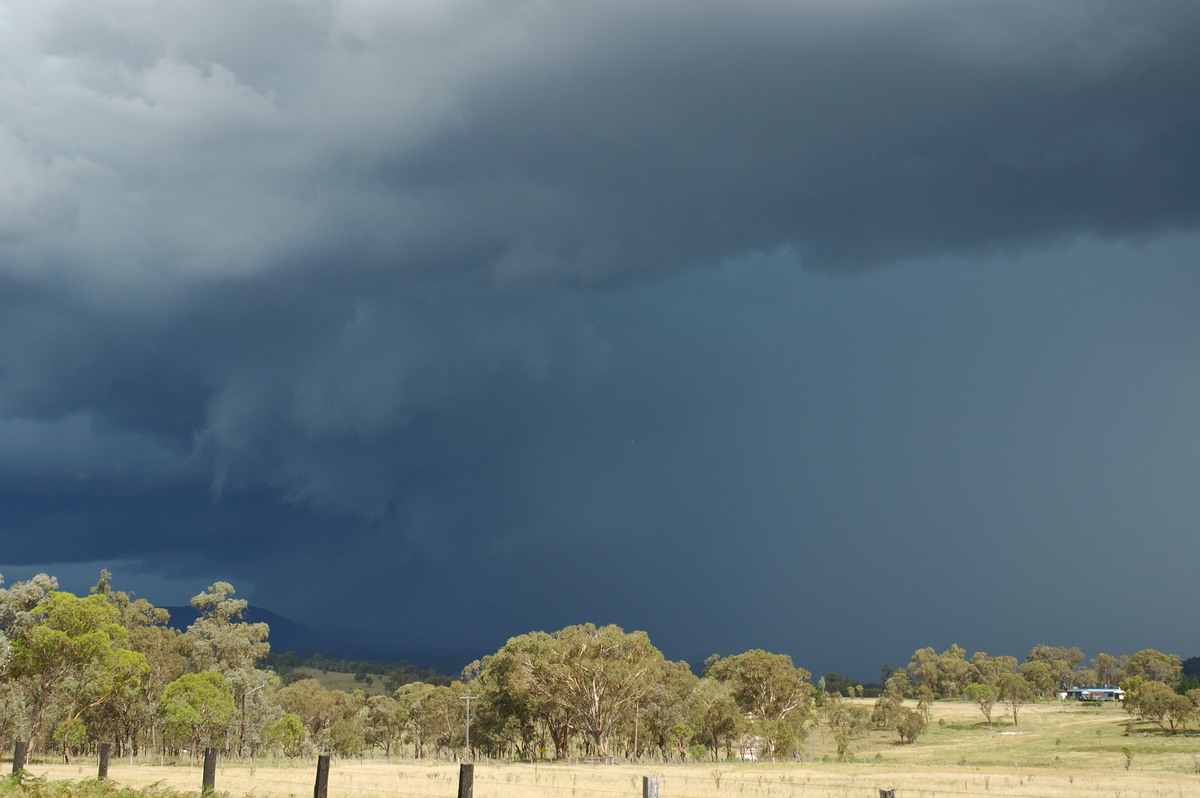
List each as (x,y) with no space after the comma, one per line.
(374,779)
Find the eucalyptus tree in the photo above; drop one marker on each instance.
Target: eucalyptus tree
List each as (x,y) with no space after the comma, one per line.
(17,606)
(983,696)
(312,703)
(384,725)
(769,687)
(987,670)
(661,710)
(72,652)
(954,671)
(715,715)
(923,671)
(847,721)
(593,673)
(426,710)
(1155,666)
(1041,675)
(1109,670)
(18,603)
(223,642)
(506,718)
(133,710)
(197,708)
(512,710)
(1014,691)
(287,735)
(1060,662)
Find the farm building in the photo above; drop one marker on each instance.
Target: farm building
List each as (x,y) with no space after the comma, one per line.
(1094,694)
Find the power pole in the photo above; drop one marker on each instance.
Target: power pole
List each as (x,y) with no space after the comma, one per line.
(468,698)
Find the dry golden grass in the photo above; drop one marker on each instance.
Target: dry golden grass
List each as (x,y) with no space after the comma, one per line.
(1058,751)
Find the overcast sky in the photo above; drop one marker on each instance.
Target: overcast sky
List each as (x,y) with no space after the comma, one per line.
(833,328)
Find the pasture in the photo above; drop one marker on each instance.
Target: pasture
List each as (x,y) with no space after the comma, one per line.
(1058,751)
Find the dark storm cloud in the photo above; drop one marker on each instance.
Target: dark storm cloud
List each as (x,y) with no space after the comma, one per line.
(277,269)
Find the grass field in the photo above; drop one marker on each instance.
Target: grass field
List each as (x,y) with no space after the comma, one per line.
(1058,751)
(344,681)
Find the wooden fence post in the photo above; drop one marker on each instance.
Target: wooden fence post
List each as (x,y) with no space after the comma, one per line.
(649,786)
(103,771)
(466,780)
(210,771)
(19,750)
(321,788)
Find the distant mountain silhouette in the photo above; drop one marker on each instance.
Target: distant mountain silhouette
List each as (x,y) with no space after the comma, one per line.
(287,635)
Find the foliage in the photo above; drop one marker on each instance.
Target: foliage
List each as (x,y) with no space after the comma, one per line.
(108,667)
(911,725)
(593,674)
(983,696)
(1155,666)
(847,721)
(767,685)
(287,734)
(1013,690)
(196,708)
(24,784)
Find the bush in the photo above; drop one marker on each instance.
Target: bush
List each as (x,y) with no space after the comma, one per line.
(911,726)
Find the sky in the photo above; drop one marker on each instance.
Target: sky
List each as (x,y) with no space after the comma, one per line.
(838,329)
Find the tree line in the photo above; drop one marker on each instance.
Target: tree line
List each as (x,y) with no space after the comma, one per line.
(78,670)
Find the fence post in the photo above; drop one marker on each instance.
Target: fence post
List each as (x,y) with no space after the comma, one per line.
(321,788)
(887,793)
(649,786)
(19,750)
(210,771)
(466,780)
(103,772)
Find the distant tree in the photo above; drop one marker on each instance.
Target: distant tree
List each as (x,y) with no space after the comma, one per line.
(345,739)
(1014,691)
(513,709)
(923,670)
(983,696)
(846,721)
(661,709)
(679,737)
(954,672)
(436,715)
(888,709)
(287,734)
(223,642)
(1109,670)
(312,703)
(384,723)
(841,685)
(1155,701)
(593,673)
(911,725)
(988,670)
(196,708)
(1039,676)
(715,715)
(767,685)
(1060,663)
(1155,666)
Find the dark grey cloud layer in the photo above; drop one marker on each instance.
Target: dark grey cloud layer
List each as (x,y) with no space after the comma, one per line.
(498,307)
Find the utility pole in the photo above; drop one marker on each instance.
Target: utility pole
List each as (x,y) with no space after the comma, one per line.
(468,698)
